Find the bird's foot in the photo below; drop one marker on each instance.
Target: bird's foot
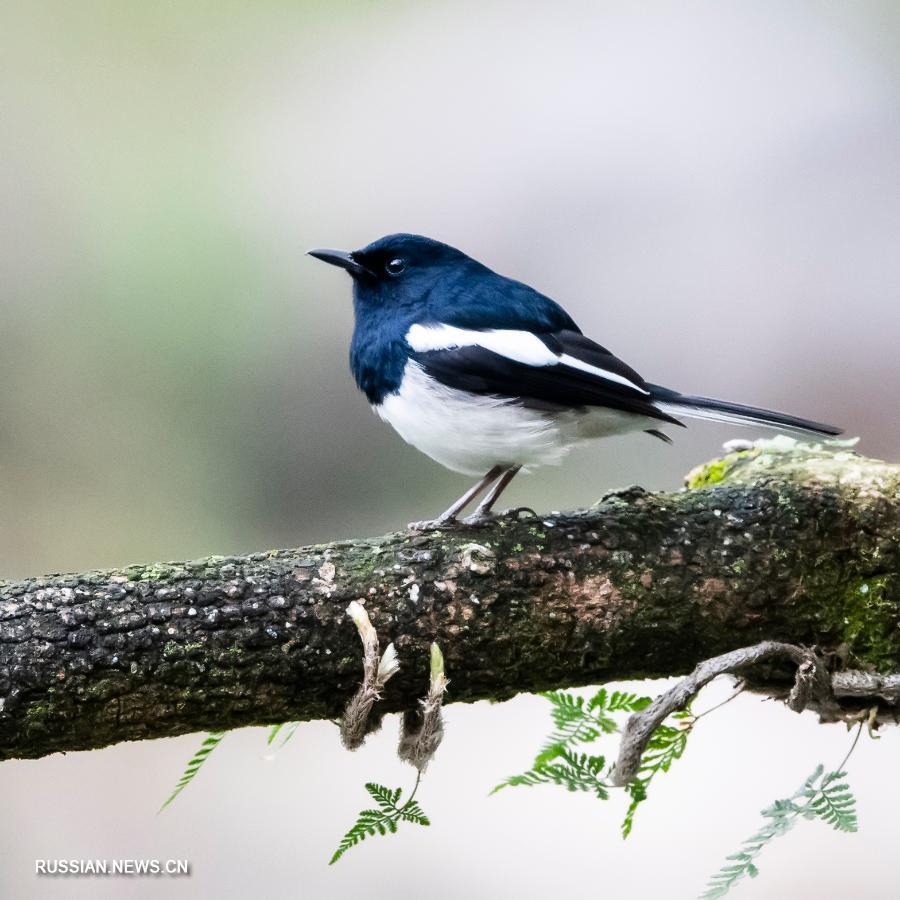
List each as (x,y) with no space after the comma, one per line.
(479,519)
(519,512)
(434,524)
(628,494)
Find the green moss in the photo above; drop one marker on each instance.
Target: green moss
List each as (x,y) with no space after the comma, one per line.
(38,715)
(870,622)
(717,470)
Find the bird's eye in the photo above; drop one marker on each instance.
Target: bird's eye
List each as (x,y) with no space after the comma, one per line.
(395,266)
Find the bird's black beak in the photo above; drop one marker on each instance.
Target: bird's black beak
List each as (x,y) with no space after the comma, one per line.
(340,258)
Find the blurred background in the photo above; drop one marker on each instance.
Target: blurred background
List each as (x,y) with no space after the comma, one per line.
(713,191)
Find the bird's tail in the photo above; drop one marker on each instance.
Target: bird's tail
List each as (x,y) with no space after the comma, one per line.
(734,413)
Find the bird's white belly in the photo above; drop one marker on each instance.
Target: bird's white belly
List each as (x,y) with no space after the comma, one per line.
(471,433)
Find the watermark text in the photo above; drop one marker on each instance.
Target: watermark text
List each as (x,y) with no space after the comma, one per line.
(107,867)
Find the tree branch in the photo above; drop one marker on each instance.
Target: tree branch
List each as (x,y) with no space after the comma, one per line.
(799,545)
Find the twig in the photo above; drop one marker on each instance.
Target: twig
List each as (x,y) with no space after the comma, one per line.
(865,685)
(812,681)
(737,692)
(840,768)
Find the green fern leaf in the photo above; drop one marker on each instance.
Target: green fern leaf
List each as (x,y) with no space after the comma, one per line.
(576,721)
(567,708)
(384,797)
(836,805)
(666,744)
(383,821)
(369,823)
(549,752)
(809,789)
(412,812)
(620,701)
(637,790)
(827,798)
(210,742)
(580,722)
(782,817)
(289,727)
(573,771)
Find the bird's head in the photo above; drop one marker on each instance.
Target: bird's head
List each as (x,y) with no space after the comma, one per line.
(398,269)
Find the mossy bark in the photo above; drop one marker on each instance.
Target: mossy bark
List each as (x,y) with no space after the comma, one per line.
(801,545)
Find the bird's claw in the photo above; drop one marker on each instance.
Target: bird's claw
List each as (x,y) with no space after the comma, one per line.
(433,524)
(479,520)
(628,494)
(518,512)
(475,520)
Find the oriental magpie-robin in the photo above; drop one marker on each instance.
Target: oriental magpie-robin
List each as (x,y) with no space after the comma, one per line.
(486,375)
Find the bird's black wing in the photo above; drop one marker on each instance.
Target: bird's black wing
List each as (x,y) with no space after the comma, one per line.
(572,372)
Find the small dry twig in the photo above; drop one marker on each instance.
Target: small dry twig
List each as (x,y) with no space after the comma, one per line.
(812,683)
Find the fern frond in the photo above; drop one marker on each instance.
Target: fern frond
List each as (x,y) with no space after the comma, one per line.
(550,751)
(573,771)
(575,733)
(782,817)
(275,730)
(576,721)
(384,797)
(808,789)
(412,812)
(567,708)
(836,805)
(827,798)
(210,742)
(619,701)
(579,722)
(369,823)
(637,790)
(666,744)
(372,822)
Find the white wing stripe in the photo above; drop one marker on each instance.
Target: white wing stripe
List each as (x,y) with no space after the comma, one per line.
(519,346)
(575,363)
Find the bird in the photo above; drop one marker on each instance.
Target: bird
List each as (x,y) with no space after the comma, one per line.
(489,377)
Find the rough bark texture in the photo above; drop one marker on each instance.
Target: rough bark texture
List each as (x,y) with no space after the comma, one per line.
(799,545)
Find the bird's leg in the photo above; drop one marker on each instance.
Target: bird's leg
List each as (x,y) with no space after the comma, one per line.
(483,512)
(448,517)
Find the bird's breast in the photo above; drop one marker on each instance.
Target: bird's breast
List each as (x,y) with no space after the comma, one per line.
(470,433)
